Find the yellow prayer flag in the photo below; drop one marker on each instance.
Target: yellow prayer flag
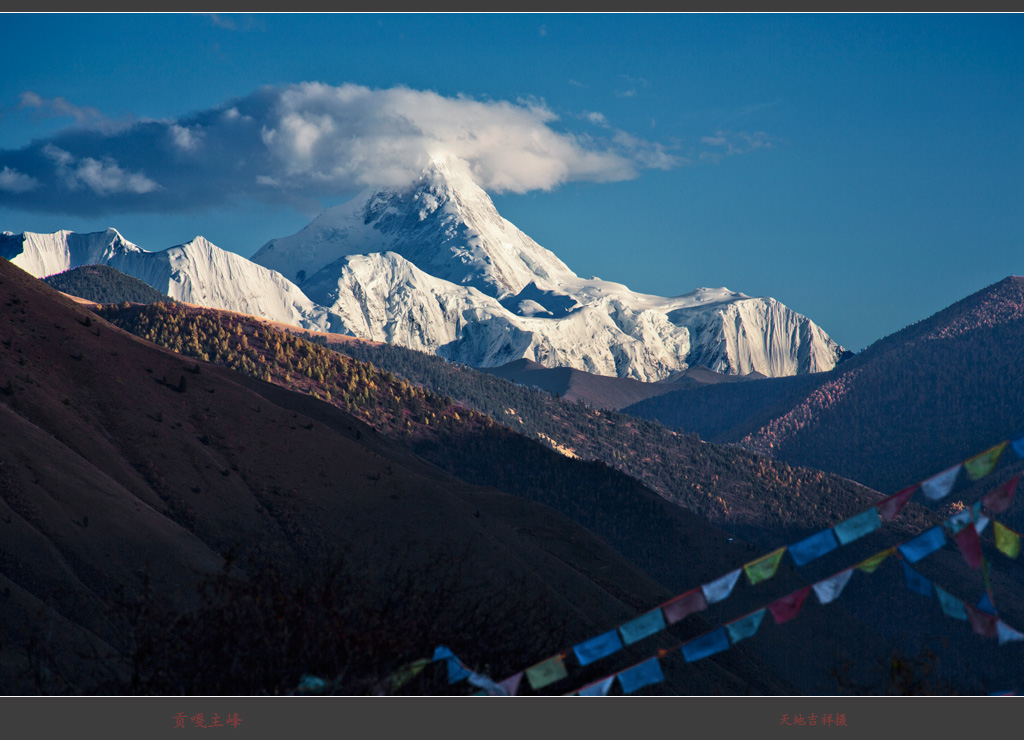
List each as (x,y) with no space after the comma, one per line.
(872,563)
(408,672)
(547,671)
(982,464)
(764,567)
(1007,540)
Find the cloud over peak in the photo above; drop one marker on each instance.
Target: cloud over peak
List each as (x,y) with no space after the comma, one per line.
(309,140)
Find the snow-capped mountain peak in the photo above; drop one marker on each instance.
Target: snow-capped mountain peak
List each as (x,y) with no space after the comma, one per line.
(433,266)
(444,223)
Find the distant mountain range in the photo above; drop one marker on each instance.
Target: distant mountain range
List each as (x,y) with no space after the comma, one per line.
(602,391)
(434,267)
(910,404)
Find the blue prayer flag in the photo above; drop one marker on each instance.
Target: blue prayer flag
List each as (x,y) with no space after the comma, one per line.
(985,604)
(1018,446)
(601,688)
(813,547)
(705,645)
(598,647)
(951,605)
(643,626)
(924,544)
(939,486)
(641,675)
(857,526)
(456,671)
(917,582)
(745,627)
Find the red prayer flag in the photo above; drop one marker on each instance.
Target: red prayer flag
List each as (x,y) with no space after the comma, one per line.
(890,508)
(788,606)
(999,499)
(967,540)
(680,606)
(983,624)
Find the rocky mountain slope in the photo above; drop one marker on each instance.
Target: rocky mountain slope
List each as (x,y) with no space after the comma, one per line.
(435,267)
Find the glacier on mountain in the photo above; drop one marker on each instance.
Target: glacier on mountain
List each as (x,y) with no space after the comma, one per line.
(195,272)
(434,267)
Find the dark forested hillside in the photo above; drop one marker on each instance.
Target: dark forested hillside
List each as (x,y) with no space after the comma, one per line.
(104,284)
(753,495)
(667,541)
(172,526)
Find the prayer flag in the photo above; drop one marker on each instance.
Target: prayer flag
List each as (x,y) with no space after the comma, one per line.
(890,508)
(982,623)
(923,545)
(1018,446)
(456,671)
(917,582)
(601,688)
(705,645)
(938,486)
(985,604)
(788,606)
(745,627)
(829,589)
(764,567)
(959,520)
(547,671)
(598,647)
(681,606)
(1007,540)
(408,672)
(999,498)
(980,523)
(970,546)
(1006,633)
(511,684)
(951,606)
(870,565)
(983,463)
(813,547)
(483,682)
(643,626)
(720,588)
(857,526)
(641,675)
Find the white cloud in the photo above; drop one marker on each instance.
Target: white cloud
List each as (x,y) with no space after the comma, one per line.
(58,107)
(13,181)
(102,177)
(184,138)
(728,143)
(352,134)
(312,140)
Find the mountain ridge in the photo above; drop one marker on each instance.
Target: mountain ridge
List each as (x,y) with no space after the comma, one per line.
(435,267)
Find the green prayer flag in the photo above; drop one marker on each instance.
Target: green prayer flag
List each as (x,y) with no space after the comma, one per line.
(547,671)
(764,567)
(982,464)
(1007,540)
(870,565)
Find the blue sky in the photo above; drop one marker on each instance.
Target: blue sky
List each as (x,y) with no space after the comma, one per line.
(866,170)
